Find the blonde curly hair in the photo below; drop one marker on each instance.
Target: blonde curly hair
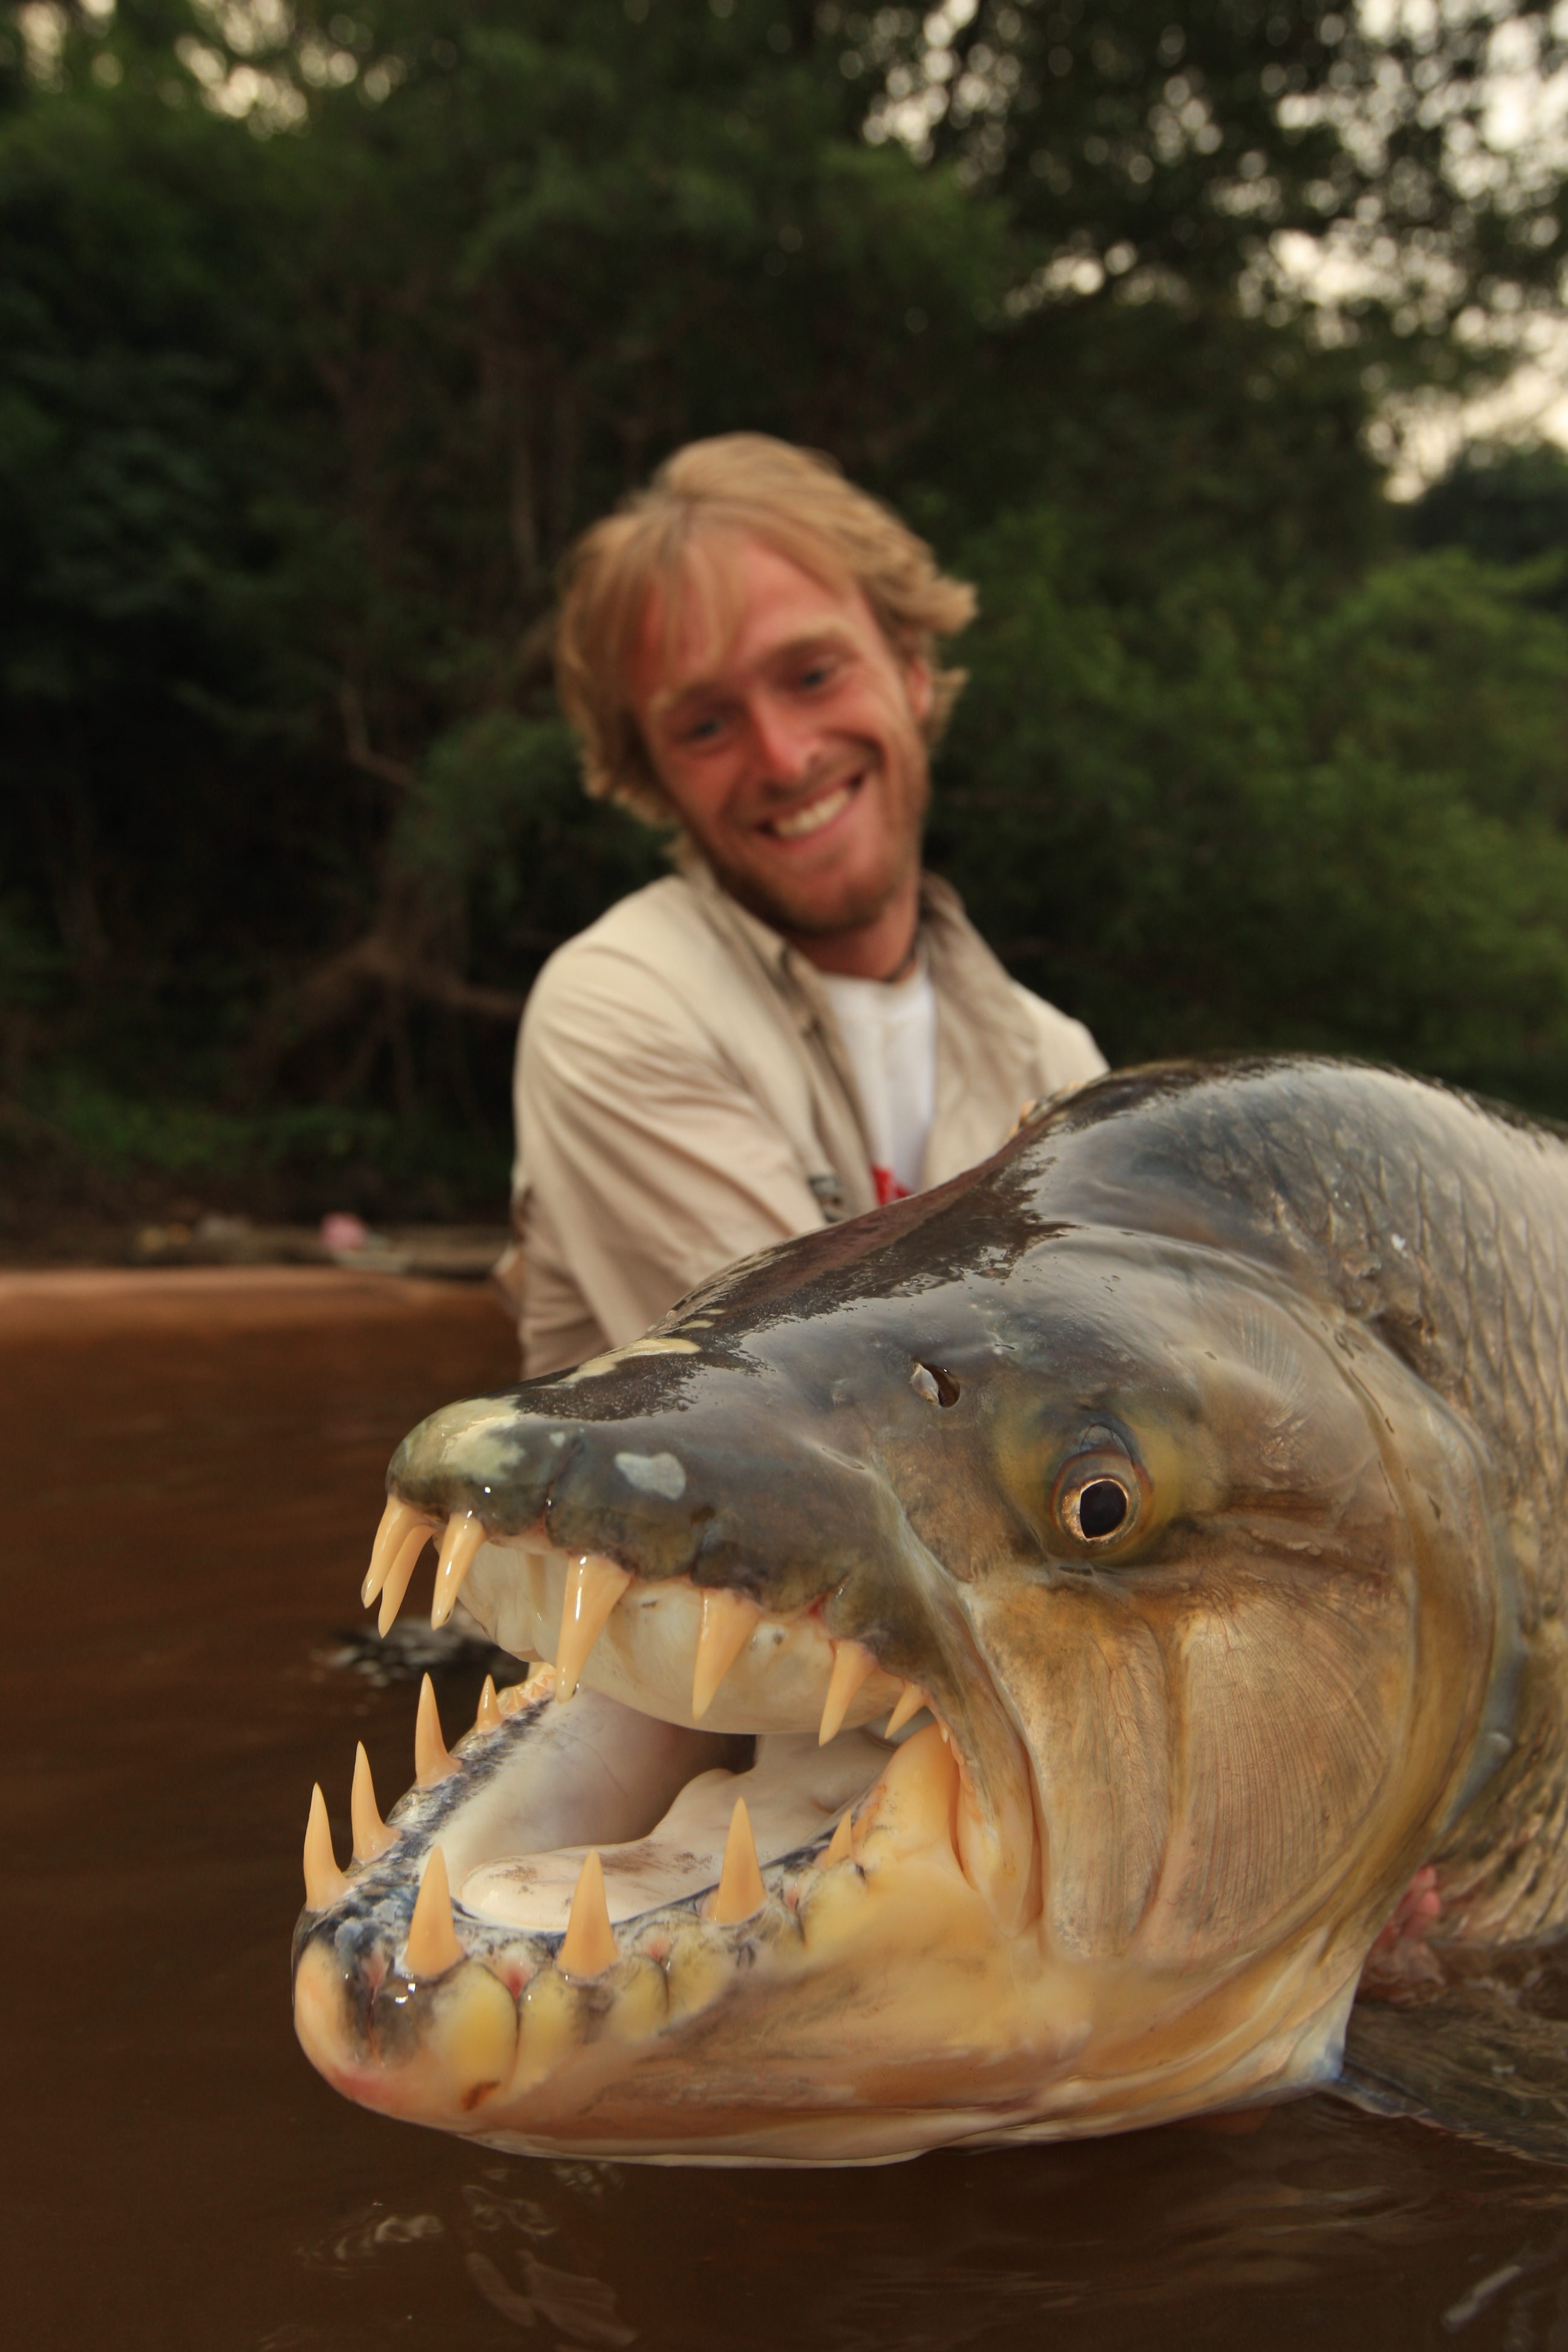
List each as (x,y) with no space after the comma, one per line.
(796,503)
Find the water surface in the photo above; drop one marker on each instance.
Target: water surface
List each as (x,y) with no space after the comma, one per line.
(193,1469)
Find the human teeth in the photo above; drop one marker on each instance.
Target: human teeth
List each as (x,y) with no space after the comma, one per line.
(464,1534)
(324,1882)
(727,1621)
(488,1717)
(852,1665)
(592,1588)
(398,1522)
(432,1948)
(398,1575)
(814,816)
(841,1845)
(431,1761)
(742,1893)
(371,1836)
(588,1948)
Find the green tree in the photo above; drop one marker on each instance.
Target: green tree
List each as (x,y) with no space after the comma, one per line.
(325,329)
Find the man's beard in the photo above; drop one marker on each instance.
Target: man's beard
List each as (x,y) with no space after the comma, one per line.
(809,913)
(851,910)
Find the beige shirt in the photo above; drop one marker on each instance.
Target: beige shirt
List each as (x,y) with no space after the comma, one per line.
(683,1097)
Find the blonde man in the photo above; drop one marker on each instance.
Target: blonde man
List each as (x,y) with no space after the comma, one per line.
(799,1023)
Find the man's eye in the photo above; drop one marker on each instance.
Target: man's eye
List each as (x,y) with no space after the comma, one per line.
(699,731)
(818,674)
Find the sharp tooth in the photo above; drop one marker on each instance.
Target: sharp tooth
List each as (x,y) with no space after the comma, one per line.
(371,1836)
(727,1621)
(432,1948)
(742,1893)
(915,1797)
(431,1761)
(464,1534)
(841,1846)
(324,1882)
(592,1588)
(588,1948)
(488,1717)
(398,1522)
(910,1705)
(398,1574)
(852,1665)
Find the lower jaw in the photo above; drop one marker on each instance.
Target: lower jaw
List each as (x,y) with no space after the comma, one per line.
(785,2035)
(786,2068)
(784,2038)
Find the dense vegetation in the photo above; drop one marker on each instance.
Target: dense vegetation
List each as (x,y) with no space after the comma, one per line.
(321,332)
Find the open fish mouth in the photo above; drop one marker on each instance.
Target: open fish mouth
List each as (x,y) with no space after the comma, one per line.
(738,1807)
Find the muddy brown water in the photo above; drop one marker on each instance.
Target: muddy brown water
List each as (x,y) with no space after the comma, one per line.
(193,1470)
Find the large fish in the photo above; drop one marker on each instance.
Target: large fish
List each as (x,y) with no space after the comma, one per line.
(1015,1656)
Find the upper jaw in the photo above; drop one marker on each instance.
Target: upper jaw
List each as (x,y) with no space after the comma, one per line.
(691,1655)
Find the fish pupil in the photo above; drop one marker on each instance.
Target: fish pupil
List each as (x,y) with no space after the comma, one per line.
(1102,1507)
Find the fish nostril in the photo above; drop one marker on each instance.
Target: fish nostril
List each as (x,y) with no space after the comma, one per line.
(936,1386)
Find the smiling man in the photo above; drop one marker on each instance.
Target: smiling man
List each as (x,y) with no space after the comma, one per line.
(799,1024)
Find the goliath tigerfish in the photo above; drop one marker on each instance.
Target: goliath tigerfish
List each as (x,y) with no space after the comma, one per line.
(1014,1657)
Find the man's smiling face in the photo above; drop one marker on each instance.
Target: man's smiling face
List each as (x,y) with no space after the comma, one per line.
(786,732)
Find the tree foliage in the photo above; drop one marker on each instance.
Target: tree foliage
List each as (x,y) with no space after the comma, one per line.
(323,331)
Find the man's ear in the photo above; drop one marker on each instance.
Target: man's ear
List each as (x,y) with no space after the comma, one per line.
(919,688)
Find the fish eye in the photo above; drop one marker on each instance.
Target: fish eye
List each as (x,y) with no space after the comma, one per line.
(1098,1502)
(1102,1506)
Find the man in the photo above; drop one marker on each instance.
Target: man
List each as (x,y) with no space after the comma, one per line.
(798,1023)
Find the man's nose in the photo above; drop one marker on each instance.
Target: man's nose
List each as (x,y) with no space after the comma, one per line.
(785,740)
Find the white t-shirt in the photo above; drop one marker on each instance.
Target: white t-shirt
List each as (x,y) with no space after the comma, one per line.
(889,1033)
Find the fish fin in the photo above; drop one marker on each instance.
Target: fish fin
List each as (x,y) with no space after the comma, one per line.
(1471,2061)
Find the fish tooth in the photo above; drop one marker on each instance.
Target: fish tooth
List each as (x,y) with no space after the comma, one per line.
(464,1534)
(852,1665)
(592,1588)
(432,1948)
(910,1701)
(398,1522)
(431,1761)
(371,1836)
(916,1796)
(324,1882)
(742,1892)
(727,1621)
(841,1845)
(588,1948)
(488,1717)
(539,1684)
(398,1575)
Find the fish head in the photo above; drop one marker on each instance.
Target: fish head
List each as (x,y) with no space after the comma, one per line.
(1094,1630)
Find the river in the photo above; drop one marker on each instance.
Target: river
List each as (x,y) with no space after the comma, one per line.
(193,1470)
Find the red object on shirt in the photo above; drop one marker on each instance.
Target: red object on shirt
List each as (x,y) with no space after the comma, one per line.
(888,1187)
